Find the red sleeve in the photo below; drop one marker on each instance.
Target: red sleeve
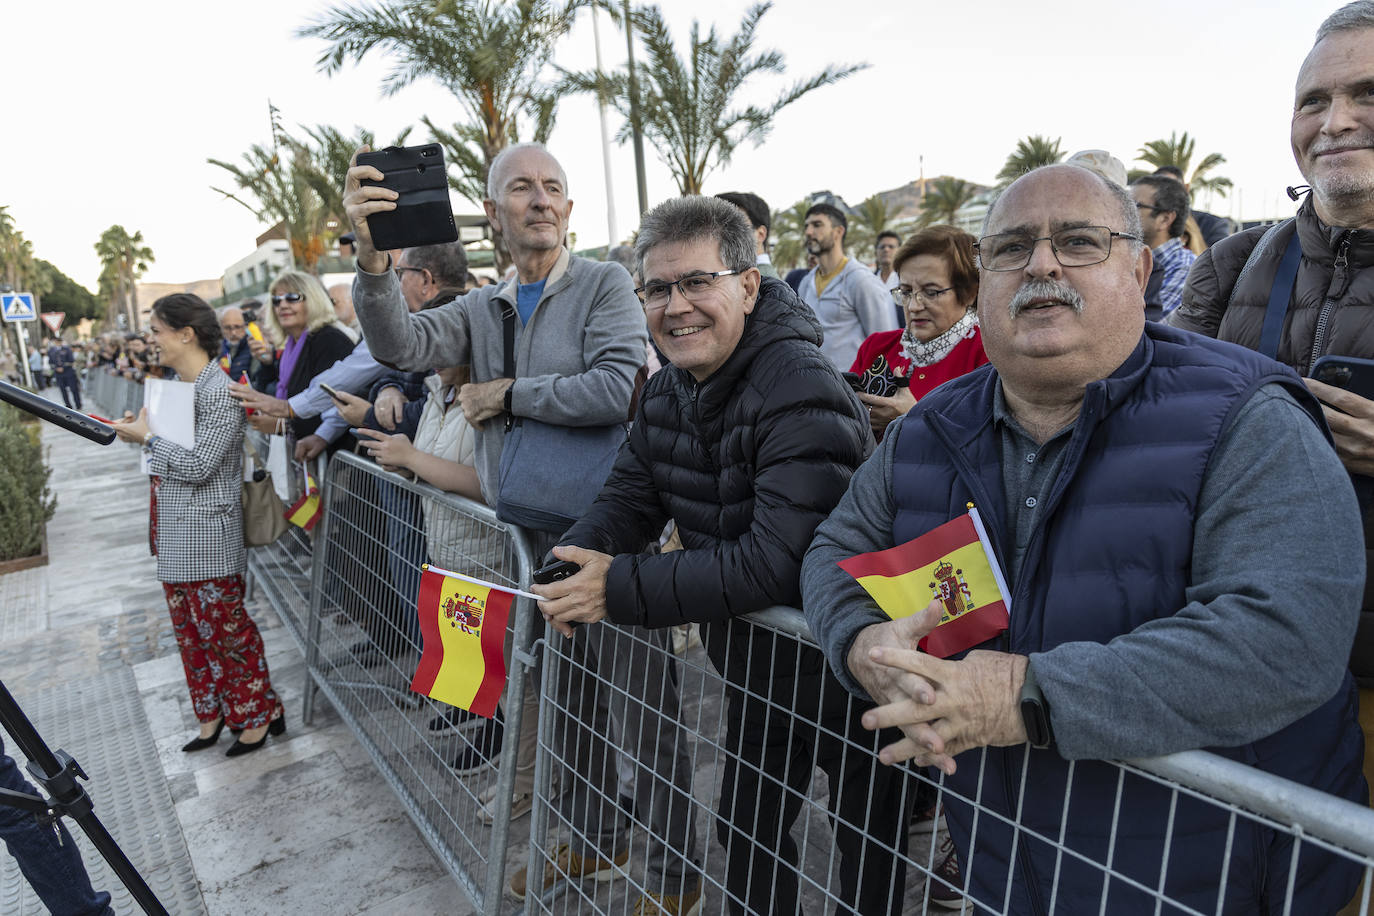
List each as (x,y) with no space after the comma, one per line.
(864,358)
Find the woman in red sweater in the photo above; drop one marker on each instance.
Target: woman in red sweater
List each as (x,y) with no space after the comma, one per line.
(938,292)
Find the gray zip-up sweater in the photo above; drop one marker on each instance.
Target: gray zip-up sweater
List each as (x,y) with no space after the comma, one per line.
(855,304)
(575,362)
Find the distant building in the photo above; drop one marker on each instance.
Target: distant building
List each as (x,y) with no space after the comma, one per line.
(249,276)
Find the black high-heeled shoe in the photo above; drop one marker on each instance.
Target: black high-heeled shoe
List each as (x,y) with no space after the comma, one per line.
(275,728)
(200,744)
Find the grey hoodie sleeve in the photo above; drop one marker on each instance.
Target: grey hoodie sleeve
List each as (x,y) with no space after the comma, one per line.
(395,337)
(1277,581)
(835,604)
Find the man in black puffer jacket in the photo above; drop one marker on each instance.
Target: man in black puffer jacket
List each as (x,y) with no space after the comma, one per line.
(747,441)
(1330,310)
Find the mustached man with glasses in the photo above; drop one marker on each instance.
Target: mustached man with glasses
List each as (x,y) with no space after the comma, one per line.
(747,439)
(1160,504)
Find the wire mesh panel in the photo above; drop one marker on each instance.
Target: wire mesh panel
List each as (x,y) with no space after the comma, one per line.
(454,772)
(283,568)
(663,787)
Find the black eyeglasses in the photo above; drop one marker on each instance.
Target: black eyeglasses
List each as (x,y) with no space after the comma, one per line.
(400,269)
(693,287)
(1151,208)
(288,297)
(1078,247)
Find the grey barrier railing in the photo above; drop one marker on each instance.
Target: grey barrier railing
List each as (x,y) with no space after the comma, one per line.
(637,749)
(453,774)
(751,754)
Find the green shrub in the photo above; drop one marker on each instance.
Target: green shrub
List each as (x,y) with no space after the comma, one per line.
(26,504)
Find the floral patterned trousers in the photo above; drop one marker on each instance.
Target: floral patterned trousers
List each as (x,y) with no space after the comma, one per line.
(222,652)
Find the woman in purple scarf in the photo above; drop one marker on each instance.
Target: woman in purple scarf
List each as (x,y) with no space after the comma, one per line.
(302,317)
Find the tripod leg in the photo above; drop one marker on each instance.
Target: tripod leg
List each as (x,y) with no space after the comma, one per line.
(58,778)
(50,861)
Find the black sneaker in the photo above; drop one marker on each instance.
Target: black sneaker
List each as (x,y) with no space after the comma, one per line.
(479,753)
(945,885)
(453,717)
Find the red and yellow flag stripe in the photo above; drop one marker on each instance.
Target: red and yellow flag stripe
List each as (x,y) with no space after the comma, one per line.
(463,626)
(950,564)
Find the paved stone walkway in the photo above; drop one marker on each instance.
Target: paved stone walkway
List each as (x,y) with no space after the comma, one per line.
(303,826)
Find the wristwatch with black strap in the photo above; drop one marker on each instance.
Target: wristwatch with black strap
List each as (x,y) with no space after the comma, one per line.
(1035,712)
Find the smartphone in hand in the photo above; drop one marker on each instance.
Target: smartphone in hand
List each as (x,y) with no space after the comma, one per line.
(423,214)
(555,572)
(332,393)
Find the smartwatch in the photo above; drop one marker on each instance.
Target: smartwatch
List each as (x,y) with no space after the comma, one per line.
(1035,712)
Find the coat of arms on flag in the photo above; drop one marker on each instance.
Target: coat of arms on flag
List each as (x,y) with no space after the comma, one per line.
(463,626)
(952,564)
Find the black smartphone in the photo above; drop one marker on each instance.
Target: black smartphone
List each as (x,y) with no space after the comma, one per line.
(331,392)
(423,214)
(1349,372)
(559,569)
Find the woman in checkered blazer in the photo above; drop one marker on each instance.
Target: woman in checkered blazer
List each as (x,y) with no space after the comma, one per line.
(197,534)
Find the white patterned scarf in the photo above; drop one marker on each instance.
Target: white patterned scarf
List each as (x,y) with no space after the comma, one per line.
(930,352)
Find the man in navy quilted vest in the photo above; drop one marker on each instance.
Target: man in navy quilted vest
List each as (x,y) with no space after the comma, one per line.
(1160,504)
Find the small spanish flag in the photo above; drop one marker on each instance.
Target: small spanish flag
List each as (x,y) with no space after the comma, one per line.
(307,510)
(952,563)
(463,625)
(243,380)
(224,364)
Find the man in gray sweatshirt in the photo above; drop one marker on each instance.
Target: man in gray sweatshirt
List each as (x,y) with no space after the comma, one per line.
(580,340)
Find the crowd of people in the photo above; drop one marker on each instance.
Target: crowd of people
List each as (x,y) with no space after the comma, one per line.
(1125,404)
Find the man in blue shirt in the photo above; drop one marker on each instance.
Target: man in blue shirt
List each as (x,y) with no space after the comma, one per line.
(1163,204)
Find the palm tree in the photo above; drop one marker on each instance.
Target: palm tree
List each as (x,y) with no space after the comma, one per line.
(687,107)
(274,181)
(785,235)
(1031,153)
(945,197)
(491,55)
(1178,151)
(298,184)
(126,258)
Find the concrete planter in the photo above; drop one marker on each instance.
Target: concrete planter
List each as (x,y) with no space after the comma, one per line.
(38,559)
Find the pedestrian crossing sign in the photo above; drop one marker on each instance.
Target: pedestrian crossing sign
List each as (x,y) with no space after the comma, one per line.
(17,307)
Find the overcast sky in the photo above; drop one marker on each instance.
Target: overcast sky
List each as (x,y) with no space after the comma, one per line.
(111,109)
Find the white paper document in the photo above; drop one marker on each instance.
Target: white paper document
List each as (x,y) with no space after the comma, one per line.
(171,413)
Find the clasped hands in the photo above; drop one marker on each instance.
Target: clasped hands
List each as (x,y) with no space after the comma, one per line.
(943,708)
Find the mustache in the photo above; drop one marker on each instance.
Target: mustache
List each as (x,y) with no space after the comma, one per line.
(1036,289)
(1364,141)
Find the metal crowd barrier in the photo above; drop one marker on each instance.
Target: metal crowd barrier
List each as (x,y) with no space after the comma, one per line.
(363,645)
(646,758)
(285,566)
(747,857)
(114,393)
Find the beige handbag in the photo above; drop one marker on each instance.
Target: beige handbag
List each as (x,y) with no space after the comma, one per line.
(264,517)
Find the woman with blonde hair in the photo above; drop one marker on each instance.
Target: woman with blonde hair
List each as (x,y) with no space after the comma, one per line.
(301,316)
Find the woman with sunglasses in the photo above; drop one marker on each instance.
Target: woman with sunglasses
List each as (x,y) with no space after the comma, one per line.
(938,292)
(301,316)
(196,532)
